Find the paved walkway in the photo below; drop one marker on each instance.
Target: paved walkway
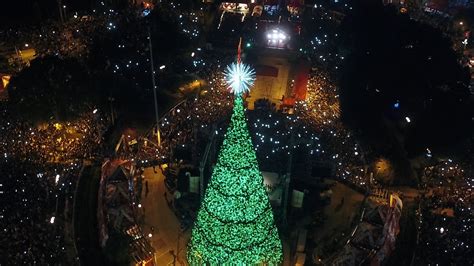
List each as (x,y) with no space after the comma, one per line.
(161,222)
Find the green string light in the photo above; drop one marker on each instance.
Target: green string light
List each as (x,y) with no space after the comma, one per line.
(235,224)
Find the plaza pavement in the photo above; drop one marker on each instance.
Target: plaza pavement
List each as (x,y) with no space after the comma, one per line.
(161,222)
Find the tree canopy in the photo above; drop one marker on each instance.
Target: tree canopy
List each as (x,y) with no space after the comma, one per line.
(402,87)
(51,88)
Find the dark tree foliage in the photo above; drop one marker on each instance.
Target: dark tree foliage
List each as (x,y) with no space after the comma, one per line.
(167,37)
(51,88)
(393,59)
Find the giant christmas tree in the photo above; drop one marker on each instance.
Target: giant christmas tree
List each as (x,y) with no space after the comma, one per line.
(235,224)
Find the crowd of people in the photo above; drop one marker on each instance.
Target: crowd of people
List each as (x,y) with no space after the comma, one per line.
(42,163)
(40,166)
(70,39)
(321,109)
(321,112)
(73,38)
(315,125)
(210,103)
(445,213)
(52,142)
(446,217)
(39,200)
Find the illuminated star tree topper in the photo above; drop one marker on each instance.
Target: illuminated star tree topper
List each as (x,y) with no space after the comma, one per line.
(239,76)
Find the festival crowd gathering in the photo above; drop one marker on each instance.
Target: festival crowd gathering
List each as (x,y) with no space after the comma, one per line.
(446,215)
(41,163)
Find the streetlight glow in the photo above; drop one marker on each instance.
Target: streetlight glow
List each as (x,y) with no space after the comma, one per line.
(277,37)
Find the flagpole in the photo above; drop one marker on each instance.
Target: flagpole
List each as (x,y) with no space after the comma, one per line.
(239,50)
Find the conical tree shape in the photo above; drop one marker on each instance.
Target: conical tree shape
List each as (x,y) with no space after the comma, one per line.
(235,224)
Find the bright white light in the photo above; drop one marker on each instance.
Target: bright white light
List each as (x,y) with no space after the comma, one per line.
(407,119)
(95,111)
(240,77)
(139,205)
(52,220)
(192,54)
(150,235)
(57,179)
(441,230)
(162,67)
(276,35)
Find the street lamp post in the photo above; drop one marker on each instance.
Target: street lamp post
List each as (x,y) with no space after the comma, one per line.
(64,12)
(152,67)
(60,6)
(287,180)
(112,116)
